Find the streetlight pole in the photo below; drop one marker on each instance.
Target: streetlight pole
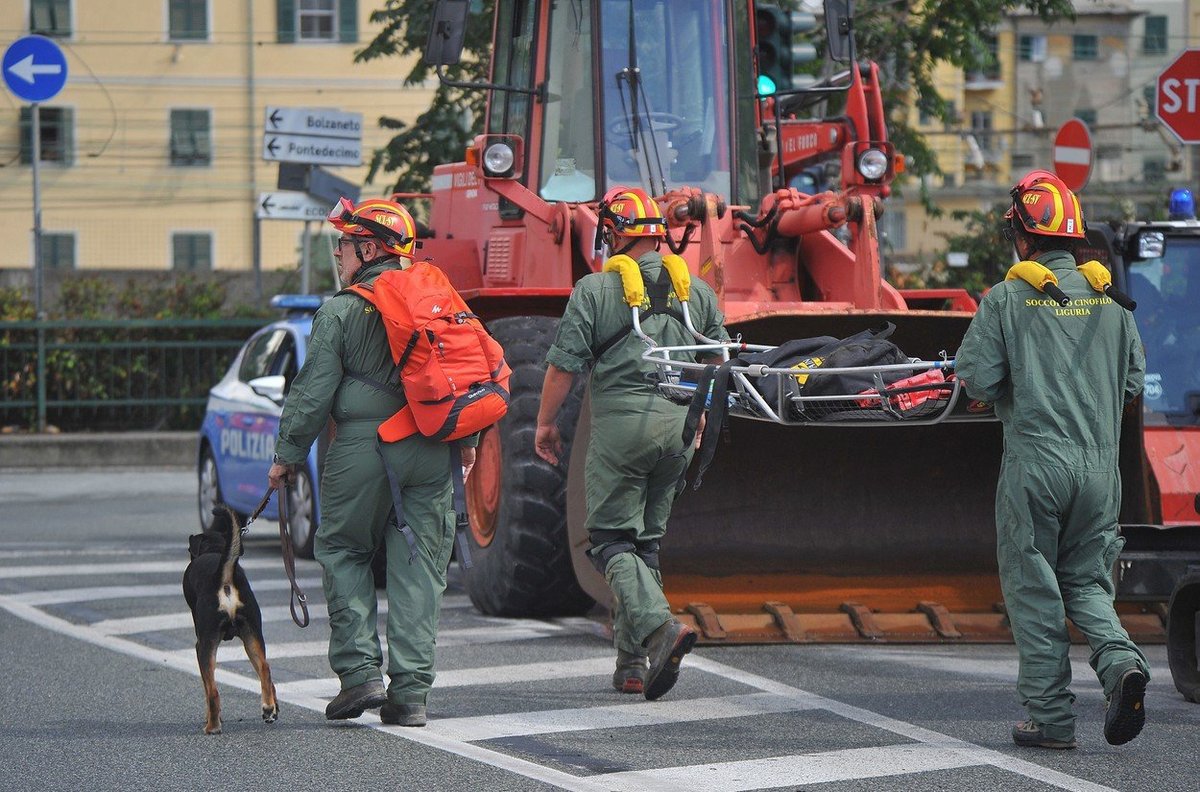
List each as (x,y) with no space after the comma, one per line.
(38,314)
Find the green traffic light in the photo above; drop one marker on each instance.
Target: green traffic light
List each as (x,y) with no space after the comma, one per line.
(766,86)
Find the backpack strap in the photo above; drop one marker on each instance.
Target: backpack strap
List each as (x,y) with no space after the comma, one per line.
(396,518)
(658,292)
(462,520)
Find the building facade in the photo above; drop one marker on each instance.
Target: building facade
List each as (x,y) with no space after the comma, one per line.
(152,156)
(1101,68)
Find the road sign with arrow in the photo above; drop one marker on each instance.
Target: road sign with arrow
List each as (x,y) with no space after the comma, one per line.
(35,69)
(290,206)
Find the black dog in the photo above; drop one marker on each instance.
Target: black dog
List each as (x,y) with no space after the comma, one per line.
(222,604)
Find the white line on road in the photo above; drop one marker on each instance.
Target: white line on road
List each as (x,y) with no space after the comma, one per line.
(615,716)
(790,771)
(62,596)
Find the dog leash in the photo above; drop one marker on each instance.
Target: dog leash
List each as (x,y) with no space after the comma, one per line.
(289,557)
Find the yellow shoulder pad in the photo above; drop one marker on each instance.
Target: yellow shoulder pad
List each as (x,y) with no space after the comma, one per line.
(681,279)
(631,278)
(1097,275)
(1036,275)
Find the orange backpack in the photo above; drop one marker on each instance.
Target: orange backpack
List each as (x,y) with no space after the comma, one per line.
(452,370)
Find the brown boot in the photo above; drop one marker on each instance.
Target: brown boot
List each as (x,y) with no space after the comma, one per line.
(666,646)
(630,676)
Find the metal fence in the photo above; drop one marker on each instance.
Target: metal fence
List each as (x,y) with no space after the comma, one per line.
(106,375)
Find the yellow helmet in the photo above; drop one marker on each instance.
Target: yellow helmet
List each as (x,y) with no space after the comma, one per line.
(629,211)
(1047,207)
(378,218)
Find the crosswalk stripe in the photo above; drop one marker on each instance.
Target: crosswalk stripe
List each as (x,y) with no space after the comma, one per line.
(143,568)
(61,596)
(327,688)
(791,771)
(512,724)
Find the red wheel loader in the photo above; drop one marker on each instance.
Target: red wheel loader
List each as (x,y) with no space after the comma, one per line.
(811,533)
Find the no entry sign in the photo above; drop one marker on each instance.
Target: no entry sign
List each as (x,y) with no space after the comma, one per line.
(1073,154)
(1178,103)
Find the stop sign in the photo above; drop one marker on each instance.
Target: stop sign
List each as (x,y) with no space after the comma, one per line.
(1073,154)
(1178,101)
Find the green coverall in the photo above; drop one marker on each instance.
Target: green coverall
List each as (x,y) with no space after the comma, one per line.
(635,452)
(1059,377)
(348,338)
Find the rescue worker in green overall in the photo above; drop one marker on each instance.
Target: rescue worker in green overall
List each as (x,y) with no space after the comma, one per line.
(1059,377)
(345,377)
(636,453)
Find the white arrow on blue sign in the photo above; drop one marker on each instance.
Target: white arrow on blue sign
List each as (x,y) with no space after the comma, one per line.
(35,69)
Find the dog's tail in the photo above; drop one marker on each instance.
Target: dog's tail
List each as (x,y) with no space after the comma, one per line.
(233,548)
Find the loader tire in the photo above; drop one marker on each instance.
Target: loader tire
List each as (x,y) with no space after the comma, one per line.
(1181,636)
(521,558)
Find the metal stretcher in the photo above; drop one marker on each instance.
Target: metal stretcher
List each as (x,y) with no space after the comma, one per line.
(758,391)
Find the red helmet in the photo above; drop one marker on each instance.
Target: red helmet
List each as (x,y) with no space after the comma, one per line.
(629,211)
(1046,206)
(378,218)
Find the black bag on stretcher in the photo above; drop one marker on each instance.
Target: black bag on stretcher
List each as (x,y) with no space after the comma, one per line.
(804,356)
(868,348)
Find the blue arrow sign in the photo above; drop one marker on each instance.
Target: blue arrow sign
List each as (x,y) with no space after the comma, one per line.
(35,69)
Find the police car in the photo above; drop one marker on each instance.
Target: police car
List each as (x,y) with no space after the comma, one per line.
(237,437)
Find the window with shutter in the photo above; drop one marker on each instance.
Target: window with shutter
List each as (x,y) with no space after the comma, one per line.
(188,20)
(191,137)
(57,135)
(50,17)
(191,252)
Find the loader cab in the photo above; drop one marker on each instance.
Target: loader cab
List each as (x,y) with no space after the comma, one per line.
(658,93)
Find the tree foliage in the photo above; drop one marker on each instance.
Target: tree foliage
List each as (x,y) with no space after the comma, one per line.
(910,39)
(455,116)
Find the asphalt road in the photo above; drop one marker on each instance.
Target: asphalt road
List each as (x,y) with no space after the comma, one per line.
(101,691)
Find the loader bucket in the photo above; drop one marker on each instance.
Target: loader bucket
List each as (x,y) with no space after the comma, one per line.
(833,534)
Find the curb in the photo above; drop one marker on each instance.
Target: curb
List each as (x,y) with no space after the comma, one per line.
(103,449)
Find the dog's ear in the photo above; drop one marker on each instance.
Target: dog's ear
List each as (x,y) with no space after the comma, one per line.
(194,546)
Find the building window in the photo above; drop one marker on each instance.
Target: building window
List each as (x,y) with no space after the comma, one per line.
(57,138)
(188,20)
(1032,48)
(1085,47)
(191,252)
(1150,95)
(191,140)
(58,251)
(981,128)
(1087,116)
(1155,41)
(317,21)
(1154,169)
(50,17)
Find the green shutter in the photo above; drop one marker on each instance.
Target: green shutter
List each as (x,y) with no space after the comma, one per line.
(68,135)
(26,136)
(348,21)
(285,21)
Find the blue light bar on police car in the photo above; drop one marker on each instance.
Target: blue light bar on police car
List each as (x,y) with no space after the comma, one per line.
(297,302)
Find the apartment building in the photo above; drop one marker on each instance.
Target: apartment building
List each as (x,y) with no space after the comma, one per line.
(152,154)
(1101,68)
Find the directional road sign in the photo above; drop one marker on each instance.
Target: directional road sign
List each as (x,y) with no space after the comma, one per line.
(35,69)
(1073,154)
(319,121)
(1178,102)
(313,150)
(290,206)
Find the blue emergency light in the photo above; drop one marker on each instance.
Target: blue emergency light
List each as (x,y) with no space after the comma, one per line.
(1182,205)
(297,302)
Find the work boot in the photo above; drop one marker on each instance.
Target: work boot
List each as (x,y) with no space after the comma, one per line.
(403,714)
(666,646)
(352,702)
(1029,735)
(630,676)
(1124,715)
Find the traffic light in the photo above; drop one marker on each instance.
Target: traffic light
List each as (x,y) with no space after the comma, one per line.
(778,52)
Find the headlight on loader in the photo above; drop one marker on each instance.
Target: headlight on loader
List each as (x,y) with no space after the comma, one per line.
(872,164)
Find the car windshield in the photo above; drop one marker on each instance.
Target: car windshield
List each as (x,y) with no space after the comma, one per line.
(1167,291)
